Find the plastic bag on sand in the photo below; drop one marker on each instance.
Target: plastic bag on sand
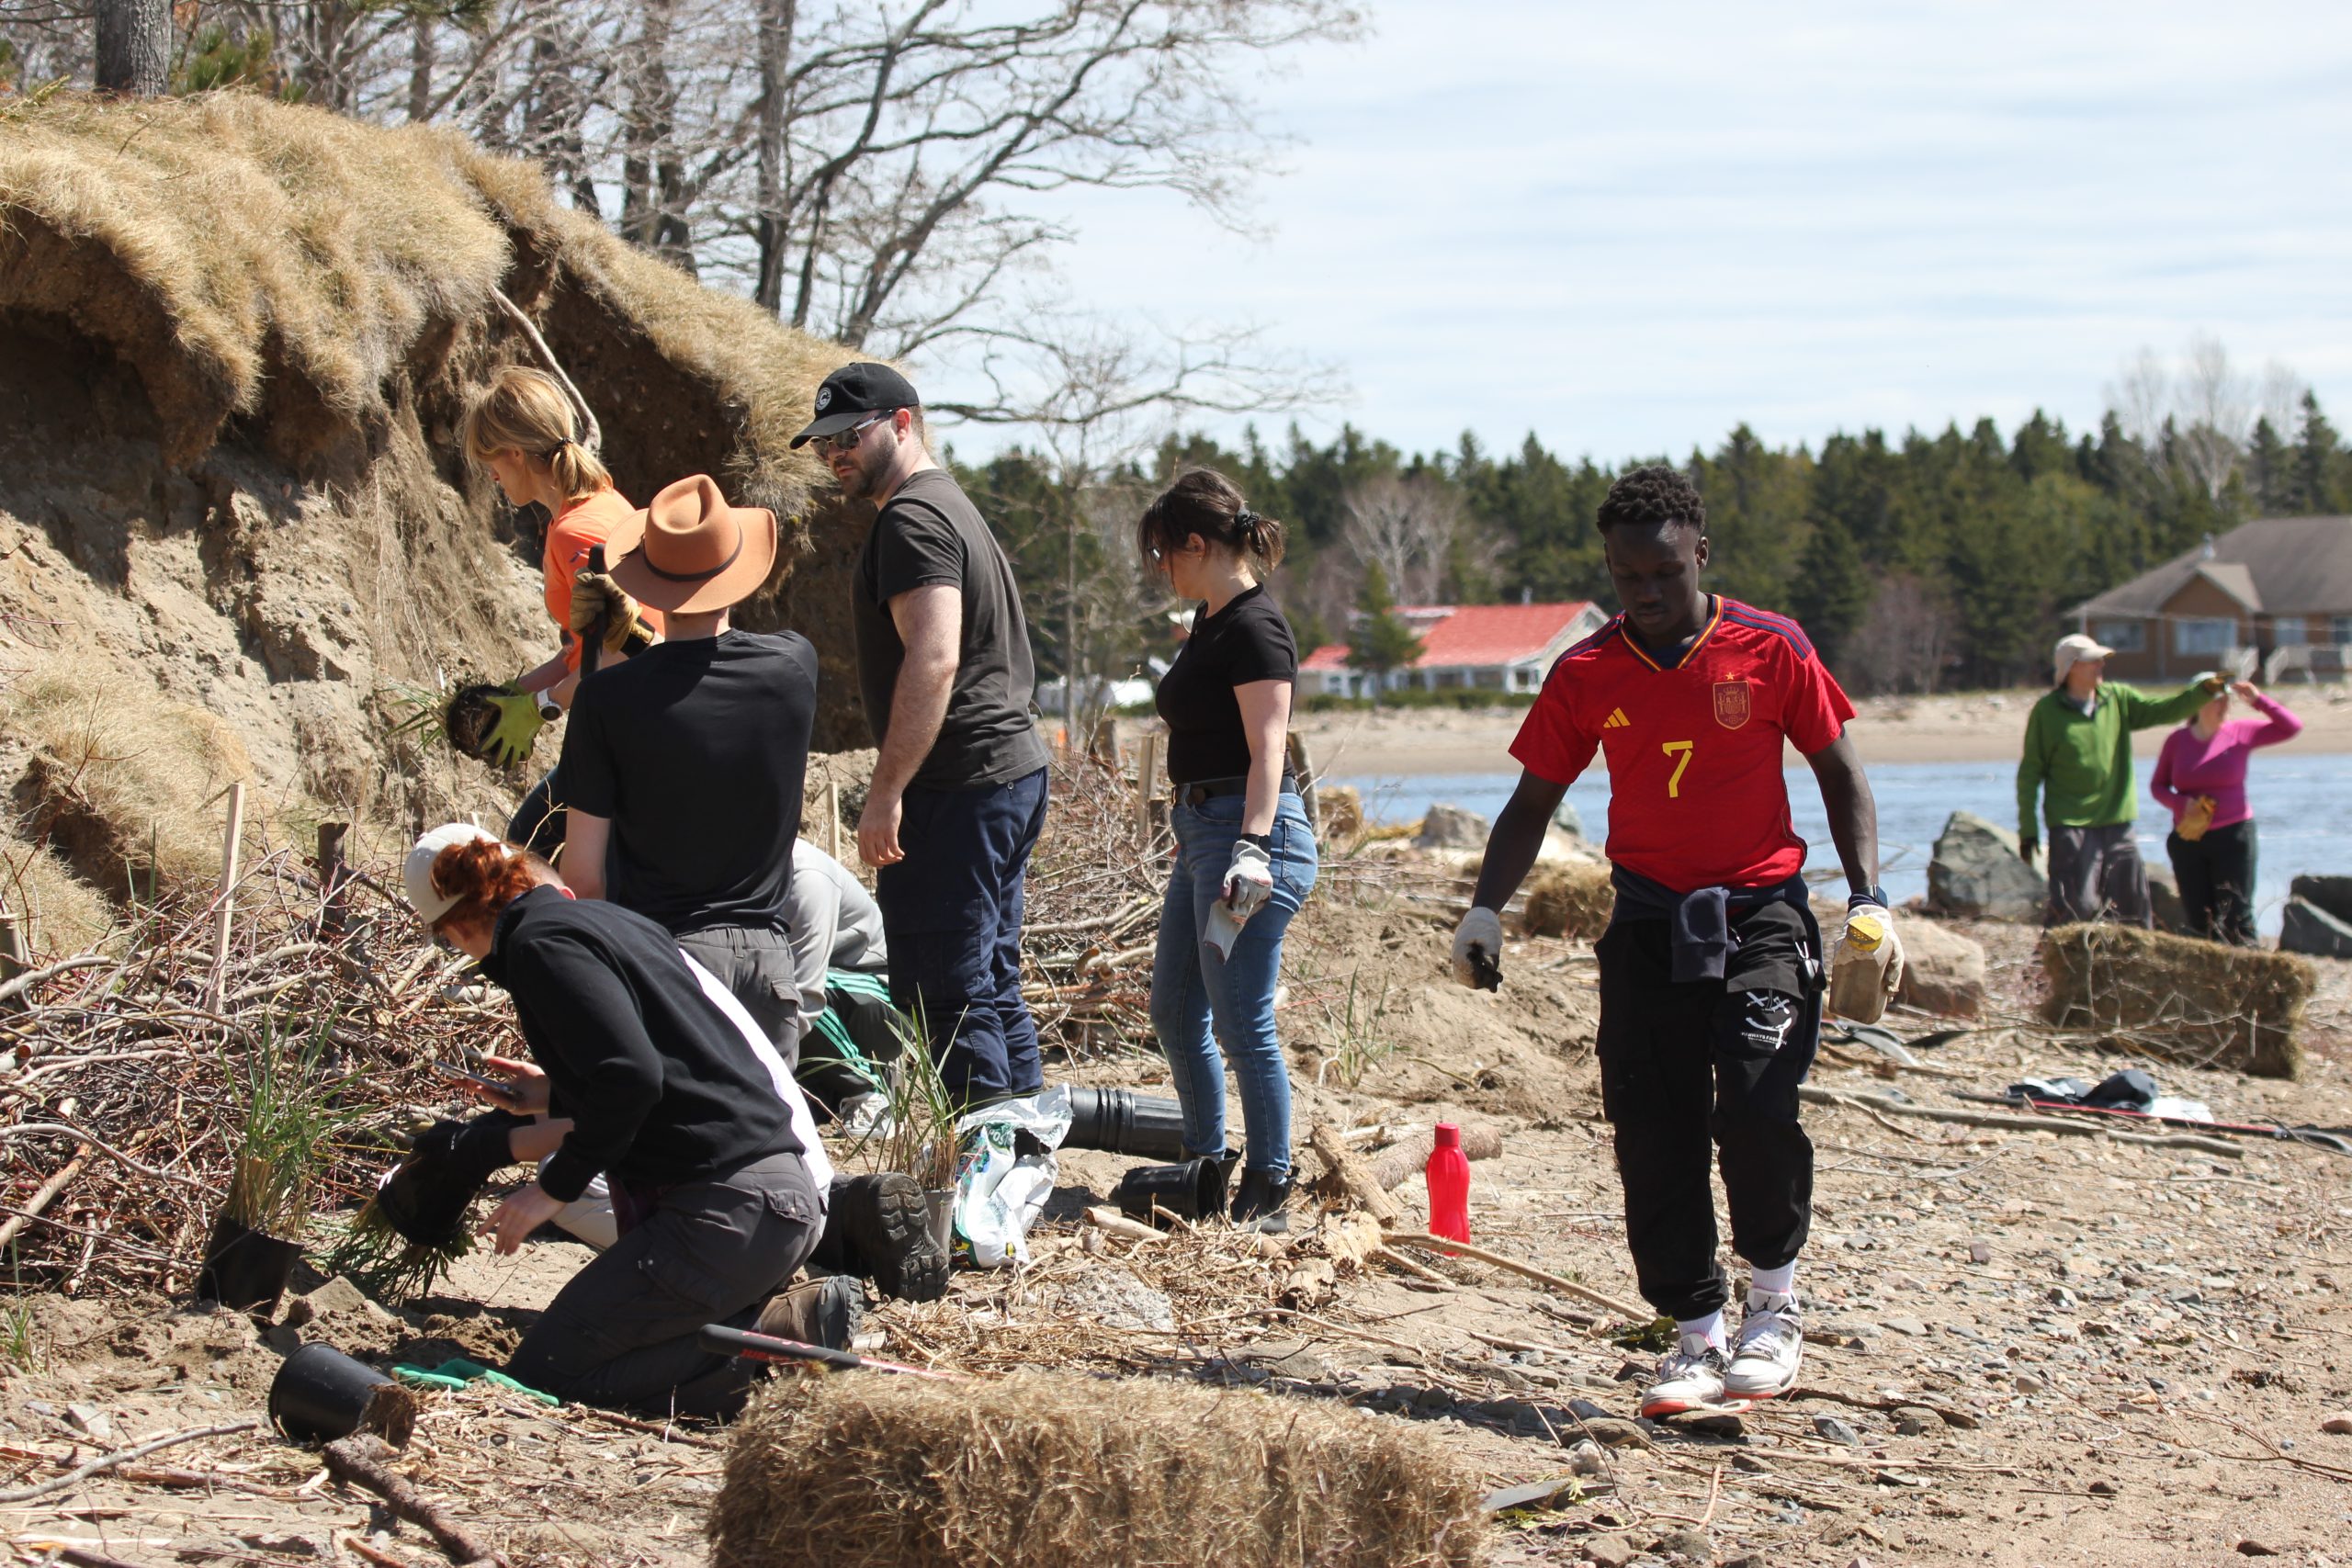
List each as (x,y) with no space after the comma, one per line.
(1004,1172)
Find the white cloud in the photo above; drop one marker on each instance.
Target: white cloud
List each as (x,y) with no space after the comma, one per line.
(1628,228)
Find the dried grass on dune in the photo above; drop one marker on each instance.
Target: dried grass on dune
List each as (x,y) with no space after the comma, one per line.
(1043,1470)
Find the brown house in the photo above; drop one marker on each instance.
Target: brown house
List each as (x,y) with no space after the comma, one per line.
(2281,586)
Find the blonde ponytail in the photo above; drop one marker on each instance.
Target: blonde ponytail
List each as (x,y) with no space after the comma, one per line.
(525,410)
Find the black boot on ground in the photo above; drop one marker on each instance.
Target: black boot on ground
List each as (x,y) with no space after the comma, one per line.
(1258,1205)
(824,1312)
(886,1228)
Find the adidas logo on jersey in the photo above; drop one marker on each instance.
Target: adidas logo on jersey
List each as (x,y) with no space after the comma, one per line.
(1617,720)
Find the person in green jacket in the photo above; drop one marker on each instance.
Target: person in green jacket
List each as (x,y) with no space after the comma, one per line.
(2076,770)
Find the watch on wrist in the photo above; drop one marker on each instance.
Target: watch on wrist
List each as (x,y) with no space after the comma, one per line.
(1877,894)
(1263,841)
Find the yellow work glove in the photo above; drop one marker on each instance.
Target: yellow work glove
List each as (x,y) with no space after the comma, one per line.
(597,597)
(512,735)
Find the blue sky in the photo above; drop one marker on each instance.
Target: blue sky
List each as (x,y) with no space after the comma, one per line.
(1629,227)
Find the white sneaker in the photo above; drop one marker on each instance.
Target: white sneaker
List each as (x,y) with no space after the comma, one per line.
(1771,1346)
(1690,1378)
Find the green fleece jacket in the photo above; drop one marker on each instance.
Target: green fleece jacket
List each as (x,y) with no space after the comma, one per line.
(2084,758)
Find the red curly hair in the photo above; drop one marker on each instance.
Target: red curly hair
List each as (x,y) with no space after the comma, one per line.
(484,875)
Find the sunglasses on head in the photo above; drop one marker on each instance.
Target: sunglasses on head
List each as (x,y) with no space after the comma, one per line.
(842,440)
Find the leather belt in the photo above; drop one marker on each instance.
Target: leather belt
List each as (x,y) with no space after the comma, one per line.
(1207,790)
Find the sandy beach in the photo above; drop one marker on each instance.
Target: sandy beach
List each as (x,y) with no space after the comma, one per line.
(1967,727)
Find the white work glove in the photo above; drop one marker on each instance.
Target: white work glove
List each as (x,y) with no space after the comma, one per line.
(1249,880)
(1478,938)
(1894,941)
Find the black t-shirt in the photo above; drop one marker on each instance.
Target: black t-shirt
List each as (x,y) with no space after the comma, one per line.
(930,534)
(1247,640)
(696,751)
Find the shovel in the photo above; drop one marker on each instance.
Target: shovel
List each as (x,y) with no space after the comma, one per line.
(720,1340)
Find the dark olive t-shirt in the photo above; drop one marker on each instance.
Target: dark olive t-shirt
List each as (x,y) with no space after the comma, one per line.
(930,534)
(1247,640)
(696,750)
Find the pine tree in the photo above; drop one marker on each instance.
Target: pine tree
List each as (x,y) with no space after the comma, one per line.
(2270,471)
(2319,463)
(1382,640)
(1832,589)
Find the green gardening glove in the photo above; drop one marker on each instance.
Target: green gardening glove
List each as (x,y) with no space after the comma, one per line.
(517,728)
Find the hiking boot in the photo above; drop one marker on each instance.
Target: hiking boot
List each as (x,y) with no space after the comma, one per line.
(816,1311)
(888,1226)
(1258,1205)
(1690,1378)
(1771,1344)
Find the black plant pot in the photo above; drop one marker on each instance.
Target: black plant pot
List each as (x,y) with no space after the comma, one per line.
(246,1268)
(1125,1123)
(321,1394)
(1193,1191)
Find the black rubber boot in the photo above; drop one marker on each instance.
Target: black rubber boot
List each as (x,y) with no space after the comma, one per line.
(1260,1203)
(883,1230)
(824,1312)
(445,1168)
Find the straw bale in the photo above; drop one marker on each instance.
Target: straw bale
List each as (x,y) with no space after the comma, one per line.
(121,773)
(1570,900)
(1042,1471)
(62,914)
(2179,998)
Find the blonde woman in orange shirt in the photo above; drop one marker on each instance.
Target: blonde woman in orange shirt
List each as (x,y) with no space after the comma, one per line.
(524,431)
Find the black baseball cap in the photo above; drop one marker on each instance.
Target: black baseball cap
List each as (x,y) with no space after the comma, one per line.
(852,392)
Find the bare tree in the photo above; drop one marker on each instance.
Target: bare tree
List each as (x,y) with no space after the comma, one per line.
(135,47)
(2202,413)
(1906,640)
(1405,524)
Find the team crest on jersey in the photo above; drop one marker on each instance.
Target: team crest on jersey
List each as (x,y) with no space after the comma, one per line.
(1731,704)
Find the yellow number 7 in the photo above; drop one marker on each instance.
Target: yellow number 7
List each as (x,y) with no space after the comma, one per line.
(1674,783)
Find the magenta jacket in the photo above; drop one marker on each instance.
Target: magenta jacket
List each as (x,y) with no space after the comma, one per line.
(2188,767)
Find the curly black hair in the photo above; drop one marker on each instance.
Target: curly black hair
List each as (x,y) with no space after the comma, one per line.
(1653,496)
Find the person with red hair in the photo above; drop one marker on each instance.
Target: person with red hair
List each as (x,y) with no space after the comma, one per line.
(667,1088)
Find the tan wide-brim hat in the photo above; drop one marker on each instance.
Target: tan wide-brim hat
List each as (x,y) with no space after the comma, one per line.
(690,551)
(2076,649)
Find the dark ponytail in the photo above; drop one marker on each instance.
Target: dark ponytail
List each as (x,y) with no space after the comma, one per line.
(1204,501)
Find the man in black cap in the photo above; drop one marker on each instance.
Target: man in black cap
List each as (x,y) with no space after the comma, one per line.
(959,790)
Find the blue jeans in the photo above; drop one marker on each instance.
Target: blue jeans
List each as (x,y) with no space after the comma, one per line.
(951,913)
(1193,985)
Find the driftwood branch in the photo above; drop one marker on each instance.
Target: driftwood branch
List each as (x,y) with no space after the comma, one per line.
(359,1461)
(1346,1175)
(591,434)
(103,1463)
(43,1198)
(1496,1259)
(1410,1155)
(1876,1105)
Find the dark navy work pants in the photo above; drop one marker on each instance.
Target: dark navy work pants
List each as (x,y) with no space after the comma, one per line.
(951,911)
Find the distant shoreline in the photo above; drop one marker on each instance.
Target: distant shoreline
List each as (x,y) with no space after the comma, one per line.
(1973,726)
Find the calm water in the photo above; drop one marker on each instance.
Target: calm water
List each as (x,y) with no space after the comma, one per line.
(2299,806)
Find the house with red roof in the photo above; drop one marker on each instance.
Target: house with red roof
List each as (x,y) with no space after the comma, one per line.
(1481,648)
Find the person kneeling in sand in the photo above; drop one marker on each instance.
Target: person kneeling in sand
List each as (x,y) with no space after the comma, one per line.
(669,1090)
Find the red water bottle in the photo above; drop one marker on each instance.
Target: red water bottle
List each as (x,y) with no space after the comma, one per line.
(1448,1178)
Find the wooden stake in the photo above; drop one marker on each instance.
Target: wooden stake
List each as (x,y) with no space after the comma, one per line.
(1147,783)
(225,905)
(12,956)
(833,817)
(333,909)
(1303,766)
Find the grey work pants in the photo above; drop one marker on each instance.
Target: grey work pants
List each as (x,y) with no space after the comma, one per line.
(756,965)
(2097,873)
(624,1333)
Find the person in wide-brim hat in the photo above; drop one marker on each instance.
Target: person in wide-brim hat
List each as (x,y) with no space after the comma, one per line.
(690,551)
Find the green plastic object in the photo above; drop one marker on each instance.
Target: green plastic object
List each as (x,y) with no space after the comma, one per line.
(457,1372)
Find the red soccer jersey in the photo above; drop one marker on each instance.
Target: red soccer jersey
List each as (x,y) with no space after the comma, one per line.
(1696,797)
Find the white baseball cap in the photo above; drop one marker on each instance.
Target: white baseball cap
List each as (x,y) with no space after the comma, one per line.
(416,871)
(2076,649)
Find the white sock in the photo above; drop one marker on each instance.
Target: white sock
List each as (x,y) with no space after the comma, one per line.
(1710,1327)
(1763,1282)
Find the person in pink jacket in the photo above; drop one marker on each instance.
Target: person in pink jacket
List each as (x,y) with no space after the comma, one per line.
(2200,775)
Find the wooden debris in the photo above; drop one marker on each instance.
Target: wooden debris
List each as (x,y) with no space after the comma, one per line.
(1408,1157)
(1345,1174)
(359,1461)
(1567,1287)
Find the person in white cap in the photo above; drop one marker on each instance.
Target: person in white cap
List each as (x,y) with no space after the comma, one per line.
(2076,770)
(666,1087)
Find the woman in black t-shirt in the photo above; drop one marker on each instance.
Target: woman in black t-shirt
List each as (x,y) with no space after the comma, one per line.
(1246,855)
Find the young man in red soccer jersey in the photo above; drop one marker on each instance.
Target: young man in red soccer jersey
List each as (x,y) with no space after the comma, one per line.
(1712,969)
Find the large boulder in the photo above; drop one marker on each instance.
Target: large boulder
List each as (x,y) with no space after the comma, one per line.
(2307,926)
(2176,996)
(1943,972)
(2332,894)
(1976,874)
(1451,827)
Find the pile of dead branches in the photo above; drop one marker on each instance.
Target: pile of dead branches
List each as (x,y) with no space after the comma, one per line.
(123,1069)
